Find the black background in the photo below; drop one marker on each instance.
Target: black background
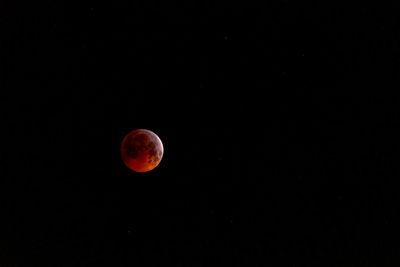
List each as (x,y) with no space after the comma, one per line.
(279,123)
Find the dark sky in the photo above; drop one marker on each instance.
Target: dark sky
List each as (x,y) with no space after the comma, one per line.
(280,125)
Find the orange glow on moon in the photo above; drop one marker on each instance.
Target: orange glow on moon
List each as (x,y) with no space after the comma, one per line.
(141,150)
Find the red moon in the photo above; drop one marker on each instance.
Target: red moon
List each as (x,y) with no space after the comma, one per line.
(141,150)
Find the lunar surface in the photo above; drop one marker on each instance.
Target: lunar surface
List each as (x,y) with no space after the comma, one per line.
(141,150)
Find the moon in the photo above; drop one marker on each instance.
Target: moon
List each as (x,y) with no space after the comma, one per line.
(142,150)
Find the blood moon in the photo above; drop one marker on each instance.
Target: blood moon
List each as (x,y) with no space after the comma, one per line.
(141,150)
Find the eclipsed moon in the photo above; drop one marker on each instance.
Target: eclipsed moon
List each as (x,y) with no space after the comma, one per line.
(142,150)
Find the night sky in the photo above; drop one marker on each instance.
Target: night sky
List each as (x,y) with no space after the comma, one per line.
(280,125)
